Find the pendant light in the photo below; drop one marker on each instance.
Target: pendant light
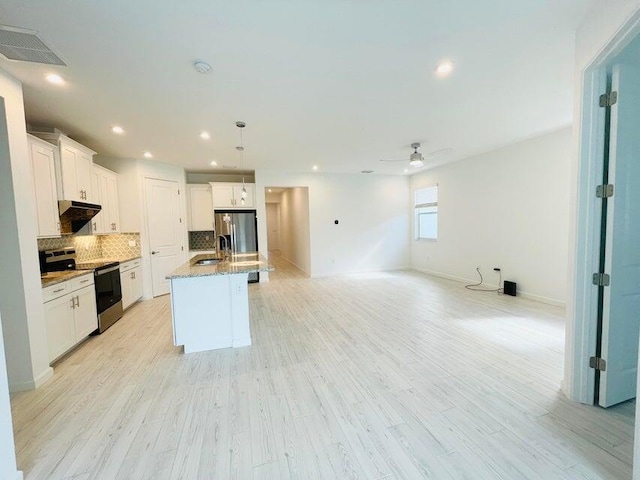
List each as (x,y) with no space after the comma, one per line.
(243,195)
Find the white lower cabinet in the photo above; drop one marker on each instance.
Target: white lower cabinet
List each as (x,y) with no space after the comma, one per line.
(70,314)
(131,282)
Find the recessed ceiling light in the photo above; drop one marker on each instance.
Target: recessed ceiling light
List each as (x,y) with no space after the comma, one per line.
(205,136)
(117,130)
(213,163)
(444,68)
(270,190)
(406,170)
(55,79)
(315,167)
(148,155)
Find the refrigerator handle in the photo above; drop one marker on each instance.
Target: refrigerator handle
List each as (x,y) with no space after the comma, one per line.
(233,238)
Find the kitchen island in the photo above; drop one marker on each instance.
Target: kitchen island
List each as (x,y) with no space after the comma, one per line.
(210,301)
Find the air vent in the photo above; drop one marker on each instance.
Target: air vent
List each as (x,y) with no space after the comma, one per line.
(25,46)
(230,166)
(366,171)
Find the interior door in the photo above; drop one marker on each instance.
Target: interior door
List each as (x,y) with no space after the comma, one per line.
(165,231)
(273,226)
(621,302)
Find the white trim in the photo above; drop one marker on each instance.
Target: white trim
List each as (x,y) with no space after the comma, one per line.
(19,475)
(358,272)
(579,381)
(32,384)
(530,296)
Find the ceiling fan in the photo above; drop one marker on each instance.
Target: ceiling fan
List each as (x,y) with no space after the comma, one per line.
(416,159)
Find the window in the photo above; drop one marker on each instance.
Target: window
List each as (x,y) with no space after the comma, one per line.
(426,213)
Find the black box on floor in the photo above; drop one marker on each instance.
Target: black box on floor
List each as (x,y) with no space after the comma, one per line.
(509,288)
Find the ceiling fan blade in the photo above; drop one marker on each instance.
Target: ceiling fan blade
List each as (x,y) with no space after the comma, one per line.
(403,160)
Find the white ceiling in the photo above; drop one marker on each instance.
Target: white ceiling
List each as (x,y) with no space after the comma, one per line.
(340,84)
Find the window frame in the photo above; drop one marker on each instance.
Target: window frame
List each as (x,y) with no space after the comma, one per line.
(417,213)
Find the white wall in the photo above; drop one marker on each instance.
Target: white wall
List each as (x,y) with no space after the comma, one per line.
(20,288)
(509,209)
(132,198)
(372,211)
(8,467)
(294,227)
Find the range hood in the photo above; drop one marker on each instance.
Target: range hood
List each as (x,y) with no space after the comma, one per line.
(75,215)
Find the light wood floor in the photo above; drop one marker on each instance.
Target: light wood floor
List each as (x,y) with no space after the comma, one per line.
(389,375)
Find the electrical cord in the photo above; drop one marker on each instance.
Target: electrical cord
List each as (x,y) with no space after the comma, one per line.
(477,287)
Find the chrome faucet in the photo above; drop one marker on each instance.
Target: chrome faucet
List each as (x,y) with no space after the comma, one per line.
(226,246)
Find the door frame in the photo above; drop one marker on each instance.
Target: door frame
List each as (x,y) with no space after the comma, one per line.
(581,334)
(145,237)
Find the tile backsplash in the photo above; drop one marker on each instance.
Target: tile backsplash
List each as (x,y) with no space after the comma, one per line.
(117,246)
(202,240)
(91,247)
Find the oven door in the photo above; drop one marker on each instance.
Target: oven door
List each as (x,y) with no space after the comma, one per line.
(108,288)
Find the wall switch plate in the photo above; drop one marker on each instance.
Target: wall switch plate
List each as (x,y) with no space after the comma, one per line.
(132,243)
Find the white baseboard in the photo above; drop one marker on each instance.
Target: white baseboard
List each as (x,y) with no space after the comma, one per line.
(19,475)
(358,272)
(32,384)
(294,264)
(530,296)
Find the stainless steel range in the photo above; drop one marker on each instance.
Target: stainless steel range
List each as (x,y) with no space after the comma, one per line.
(106,279)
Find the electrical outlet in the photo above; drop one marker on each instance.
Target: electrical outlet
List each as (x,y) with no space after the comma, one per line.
(132,243)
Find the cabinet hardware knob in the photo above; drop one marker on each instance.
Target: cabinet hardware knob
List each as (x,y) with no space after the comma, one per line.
(154,252)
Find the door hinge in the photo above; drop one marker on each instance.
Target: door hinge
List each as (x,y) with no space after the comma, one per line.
(601,279)
(180,220)
(182,248)
(608,99)
(604,191)
(178,191)
(598,363)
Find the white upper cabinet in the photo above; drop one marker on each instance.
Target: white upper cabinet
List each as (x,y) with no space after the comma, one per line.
(73,171)
(229,195)
(105,187)
(200,209)
(42,155)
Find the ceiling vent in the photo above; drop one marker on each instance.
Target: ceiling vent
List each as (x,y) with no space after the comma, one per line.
(24,45)
(366,171)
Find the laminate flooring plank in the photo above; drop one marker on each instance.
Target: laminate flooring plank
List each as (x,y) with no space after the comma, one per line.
(379,375)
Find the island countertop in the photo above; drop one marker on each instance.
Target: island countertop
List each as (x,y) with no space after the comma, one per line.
(249,262)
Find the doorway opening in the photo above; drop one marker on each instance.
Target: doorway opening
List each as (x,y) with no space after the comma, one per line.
(607,296)
(287,219)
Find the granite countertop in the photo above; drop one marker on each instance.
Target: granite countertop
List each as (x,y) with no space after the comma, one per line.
(239,263)
(114,259)
(53,278)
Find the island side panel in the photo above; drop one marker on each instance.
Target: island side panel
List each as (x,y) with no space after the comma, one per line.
(202,312)
(240,310)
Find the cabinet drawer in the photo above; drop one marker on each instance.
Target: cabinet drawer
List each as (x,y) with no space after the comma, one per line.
(126,266)
(55,291)
(81,282)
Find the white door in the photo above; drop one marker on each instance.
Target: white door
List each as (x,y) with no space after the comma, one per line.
(621,306)
(68,160)
(222,196)
(273,226)
(98,220)
(165,231)
(61,334)
(200,208)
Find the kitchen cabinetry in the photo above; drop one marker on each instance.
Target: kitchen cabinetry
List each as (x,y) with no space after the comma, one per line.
(104,185)
(200,208)
(131,282)
(70,314)
(229,195)
(43,172)
(73,169)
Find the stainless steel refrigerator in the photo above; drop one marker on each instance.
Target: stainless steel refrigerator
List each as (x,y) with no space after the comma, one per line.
(239,228)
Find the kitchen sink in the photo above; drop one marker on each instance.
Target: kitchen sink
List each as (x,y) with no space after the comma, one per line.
(208,261)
